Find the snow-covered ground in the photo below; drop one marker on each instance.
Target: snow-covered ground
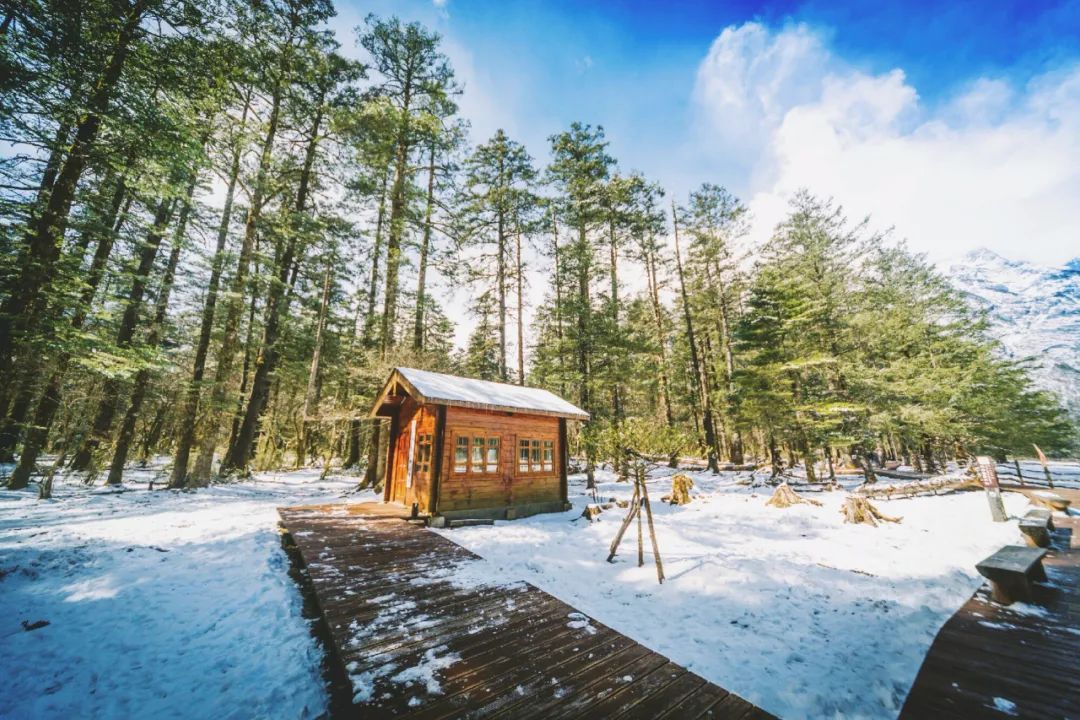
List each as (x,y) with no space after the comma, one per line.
(160,604)
(170,604)
(793,609)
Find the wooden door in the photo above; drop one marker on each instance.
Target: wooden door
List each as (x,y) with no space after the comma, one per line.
(401,465)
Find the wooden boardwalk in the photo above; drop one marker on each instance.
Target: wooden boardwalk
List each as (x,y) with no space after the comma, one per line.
(418,635)
(990,660)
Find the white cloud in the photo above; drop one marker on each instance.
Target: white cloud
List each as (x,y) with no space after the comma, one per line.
(994,166)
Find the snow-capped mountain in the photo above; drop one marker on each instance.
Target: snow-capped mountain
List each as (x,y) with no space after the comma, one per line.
(1035,312)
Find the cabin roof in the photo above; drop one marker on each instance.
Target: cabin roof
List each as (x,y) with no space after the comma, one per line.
(442,389)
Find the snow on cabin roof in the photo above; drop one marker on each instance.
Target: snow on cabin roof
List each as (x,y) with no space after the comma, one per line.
(442,389)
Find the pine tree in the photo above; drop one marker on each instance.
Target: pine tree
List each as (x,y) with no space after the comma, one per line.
(415,76)
(497,199)
(579,169)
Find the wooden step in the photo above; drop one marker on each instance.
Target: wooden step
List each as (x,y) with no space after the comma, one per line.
(469,522)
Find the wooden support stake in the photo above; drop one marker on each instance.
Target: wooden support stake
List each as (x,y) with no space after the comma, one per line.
(635,507)
(652,532)
(1016,462)
(1045,464)
(640,543)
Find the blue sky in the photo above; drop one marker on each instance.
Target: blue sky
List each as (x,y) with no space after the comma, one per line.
(886,107)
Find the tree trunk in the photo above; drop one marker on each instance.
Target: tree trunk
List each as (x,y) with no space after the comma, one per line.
(583,344)
(49,402)
(500,270)
(928,457)
(425,244)
(371,476)
(661,344)
(142,380)
(17,414)
(266,362)
(106,412)
(376,253)
(189,413)
(245,369)
(699,379)
(227,351)
(729,363)
(397,222)
(658,321)
(520,310)
(22,308)
(616,386)
(311,396)
(558,302)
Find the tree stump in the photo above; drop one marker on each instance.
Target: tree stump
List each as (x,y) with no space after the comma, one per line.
(591,512)
(680,489)
(858,509)
(784,497)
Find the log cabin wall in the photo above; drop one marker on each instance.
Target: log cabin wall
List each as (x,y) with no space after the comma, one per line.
(481,492)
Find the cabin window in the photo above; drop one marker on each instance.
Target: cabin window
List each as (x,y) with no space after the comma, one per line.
(476,454)
(423,453)
(461,455)
(492,461)
(536,455)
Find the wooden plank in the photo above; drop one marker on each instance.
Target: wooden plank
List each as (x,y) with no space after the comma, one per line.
(507,651)
(548,671)
(612,682)
(636,690)
(663,698)
(496,684)
(696,704)
(574,679)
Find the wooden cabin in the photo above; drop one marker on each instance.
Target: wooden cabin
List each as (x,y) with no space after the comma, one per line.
(463,448)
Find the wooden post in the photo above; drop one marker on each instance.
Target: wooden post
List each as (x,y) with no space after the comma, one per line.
(437,459)
(635,507)
(652,529)
(564,460)
(987,471)
(1016,463)
(640,543)
(1045,464)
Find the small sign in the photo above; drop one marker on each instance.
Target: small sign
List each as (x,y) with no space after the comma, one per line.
(987,470)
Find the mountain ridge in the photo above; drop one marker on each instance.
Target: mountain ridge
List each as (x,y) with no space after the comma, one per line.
(1033,310)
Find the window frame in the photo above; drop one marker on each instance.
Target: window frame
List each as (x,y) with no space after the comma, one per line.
(424,440)
(470,434)
(540,471)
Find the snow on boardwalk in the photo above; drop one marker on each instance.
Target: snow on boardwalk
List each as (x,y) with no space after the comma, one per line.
(425,629)
(1016,661)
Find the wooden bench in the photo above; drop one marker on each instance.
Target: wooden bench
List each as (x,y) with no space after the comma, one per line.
(1036,531)
(1011,570)
(1051,500)
(1042,514)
